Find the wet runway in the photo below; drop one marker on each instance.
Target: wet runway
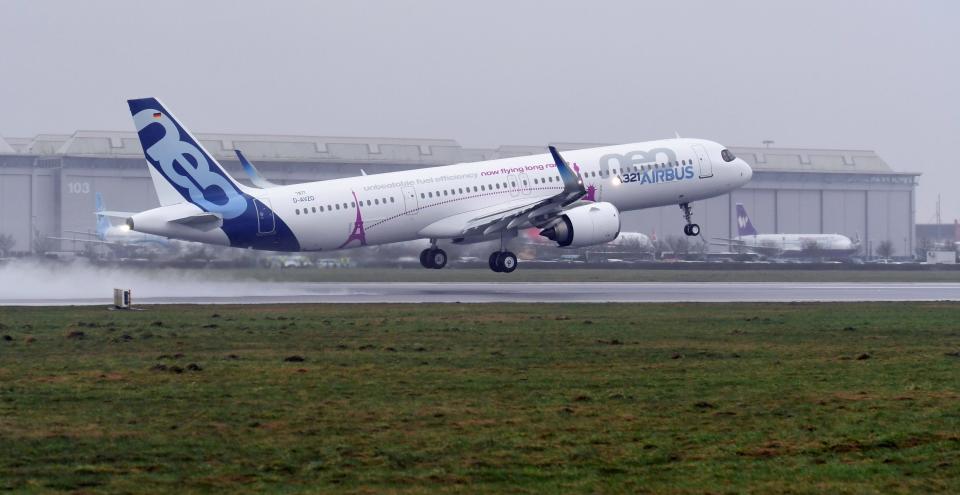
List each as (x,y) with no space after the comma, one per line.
(534,292)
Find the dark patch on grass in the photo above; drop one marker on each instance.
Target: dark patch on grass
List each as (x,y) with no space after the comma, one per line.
(294,359)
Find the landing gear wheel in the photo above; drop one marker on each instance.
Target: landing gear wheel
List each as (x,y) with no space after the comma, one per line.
(493,262)
(425,258)
(691,229)
(506,261)
(438,258)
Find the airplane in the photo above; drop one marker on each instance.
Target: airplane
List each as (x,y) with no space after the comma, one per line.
(114,235)
(574,198)
(788,245)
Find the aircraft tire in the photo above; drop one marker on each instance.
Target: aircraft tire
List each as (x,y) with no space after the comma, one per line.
(438,258)
(425,258)
(694,230)
(493,261)
(507,262)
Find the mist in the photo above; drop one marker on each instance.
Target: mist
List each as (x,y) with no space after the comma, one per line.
(79,282)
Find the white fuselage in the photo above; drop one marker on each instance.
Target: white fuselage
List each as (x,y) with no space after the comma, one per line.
(797,243)
(432,202)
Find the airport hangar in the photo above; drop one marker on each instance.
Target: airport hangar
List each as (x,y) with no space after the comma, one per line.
(47,183)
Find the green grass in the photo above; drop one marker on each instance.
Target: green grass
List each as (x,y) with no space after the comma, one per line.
(761,398)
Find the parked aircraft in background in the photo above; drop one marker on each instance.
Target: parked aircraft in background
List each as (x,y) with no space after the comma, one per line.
(574,199)
(787,245)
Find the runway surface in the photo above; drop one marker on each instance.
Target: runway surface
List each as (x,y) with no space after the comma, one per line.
(538,292)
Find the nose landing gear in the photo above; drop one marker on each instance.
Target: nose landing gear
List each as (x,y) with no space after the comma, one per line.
(691,229)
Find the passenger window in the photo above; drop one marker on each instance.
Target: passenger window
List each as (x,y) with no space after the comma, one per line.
(314,209)
(431,194)
(337,205)
(376,201)
(422,196)
(498,185)
(329,207)
(298,211)
(391,199)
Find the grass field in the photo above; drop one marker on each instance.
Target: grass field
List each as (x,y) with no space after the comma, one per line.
(798,398)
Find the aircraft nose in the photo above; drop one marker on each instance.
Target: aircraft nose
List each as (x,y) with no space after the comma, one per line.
(745,171)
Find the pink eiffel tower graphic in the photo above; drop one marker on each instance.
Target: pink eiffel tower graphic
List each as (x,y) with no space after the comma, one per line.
(591,190)
(358,233)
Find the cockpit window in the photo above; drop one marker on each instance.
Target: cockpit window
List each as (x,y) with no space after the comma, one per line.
(727,156)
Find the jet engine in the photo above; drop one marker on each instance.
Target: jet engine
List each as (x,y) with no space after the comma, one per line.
(585,225)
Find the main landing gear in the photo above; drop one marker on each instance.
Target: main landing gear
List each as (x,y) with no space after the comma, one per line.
(433,257)
(691,229)
(503,261)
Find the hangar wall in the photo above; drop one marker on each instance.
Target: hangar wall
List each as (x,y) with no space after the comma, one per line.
(48,182)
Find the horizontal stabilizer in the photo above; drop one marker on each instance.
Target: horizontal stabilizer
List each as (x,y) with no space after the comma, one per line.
(114,214)
(88,241)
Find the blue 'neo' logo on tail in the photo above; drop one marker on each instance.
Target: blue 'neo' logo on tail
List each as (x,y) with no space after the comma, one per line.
(174,153)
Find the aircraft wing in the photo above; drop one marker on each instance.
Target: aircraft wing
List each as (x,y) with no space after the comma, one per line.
(515,214)
(729,241)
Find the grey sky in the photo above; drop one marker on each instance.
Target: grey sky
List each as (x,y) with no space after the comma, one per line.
(847,74)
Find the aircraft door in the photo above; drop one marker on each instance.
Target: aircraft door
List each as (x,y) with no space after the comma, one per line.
(266,222)
(703,160)
(410,203)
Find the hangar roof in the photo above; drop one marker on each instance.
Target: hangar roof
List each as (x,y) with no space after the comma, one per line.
(425,152)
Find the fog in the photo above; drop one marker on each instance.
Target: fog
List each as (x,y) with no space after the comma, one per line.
(80,282)
(863,74)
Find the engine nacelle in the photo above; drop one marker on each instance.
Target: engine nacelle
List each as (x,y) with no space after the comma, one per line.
(585,225)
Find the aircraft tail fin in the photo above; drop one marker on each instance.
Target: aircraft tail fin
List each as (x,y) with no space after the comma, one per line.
(181,168)
(744,225)
(103,222)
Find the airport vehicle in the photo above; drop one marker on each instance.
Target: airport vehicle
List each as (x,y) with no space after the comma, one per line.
(748,240)
(114,235)
(574,199)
